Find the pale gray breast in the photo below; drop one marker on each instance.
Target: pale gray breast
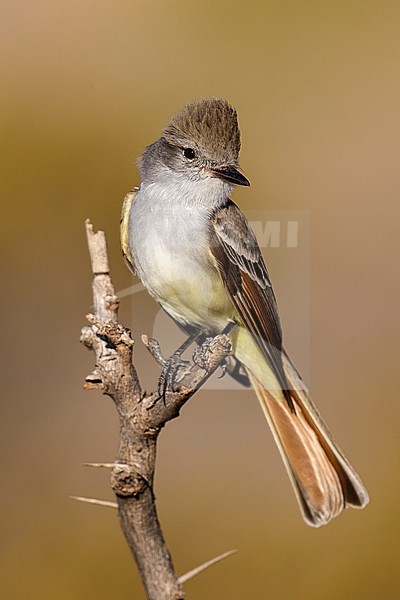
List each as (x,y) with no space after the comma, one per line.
(168,239)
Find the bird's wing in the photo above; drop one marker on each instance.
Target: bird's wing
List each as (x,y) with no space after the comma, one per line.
(243,271)
(124,228)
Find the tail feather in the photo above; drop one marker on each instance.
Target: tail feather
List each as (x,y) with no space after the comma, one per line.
(323,480)
(354,491)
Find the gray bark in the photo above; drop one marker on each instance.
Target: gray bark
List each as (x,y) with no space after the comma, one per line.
(141,417)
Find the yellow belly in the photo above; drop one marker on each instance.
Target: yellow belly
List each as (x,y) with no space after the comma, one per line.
(201,301)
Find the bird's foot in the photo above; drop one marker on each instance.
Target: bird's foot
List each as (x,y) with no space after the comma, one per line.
(201,353)
(174,368)
(201,356)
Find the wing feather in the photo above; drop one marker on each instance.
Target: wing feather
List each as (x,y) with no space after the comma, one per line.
(124,228)
(243,271)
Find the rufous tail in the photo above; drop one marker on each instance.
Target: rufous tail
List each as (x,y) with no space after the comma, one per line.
(323,480)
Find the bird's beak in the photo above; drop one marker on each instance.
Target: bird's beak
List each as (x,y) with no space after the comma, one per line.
(229,173)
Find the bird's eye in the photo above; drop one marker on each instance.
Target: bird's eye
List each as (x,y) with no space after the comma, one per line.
(189,153)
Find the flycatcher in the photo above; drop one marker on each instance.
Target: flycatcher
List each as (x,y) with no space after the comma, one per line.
(196,254)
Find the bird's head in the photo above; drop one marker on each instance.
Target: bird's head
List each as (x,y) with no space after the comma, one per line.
(202,141)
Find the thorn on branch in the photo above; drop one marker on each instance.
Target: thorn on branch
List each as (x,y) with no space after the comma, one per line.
(193,572)
(100,465)
(95,501)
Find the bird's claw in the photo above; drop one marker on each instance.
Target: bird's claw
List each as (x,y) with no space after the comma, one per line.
(200,354)
(169,374)
(224,369)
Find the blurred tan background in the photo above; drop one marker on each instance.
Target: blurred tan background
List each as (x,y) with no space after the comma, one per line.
(85,86)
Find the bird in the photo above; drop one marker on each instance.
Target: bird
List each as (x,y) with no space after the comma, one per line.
(196,254)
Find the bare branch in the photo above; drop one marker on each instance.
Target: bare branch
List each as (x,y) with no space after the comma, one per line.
(141,416)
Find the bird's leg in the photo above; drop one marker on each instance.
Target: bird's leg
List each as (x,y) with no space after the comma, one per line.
(173,364)
(228,328)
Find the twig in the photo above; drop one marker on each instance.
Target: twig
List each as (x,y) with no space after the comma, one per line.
(141,417)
